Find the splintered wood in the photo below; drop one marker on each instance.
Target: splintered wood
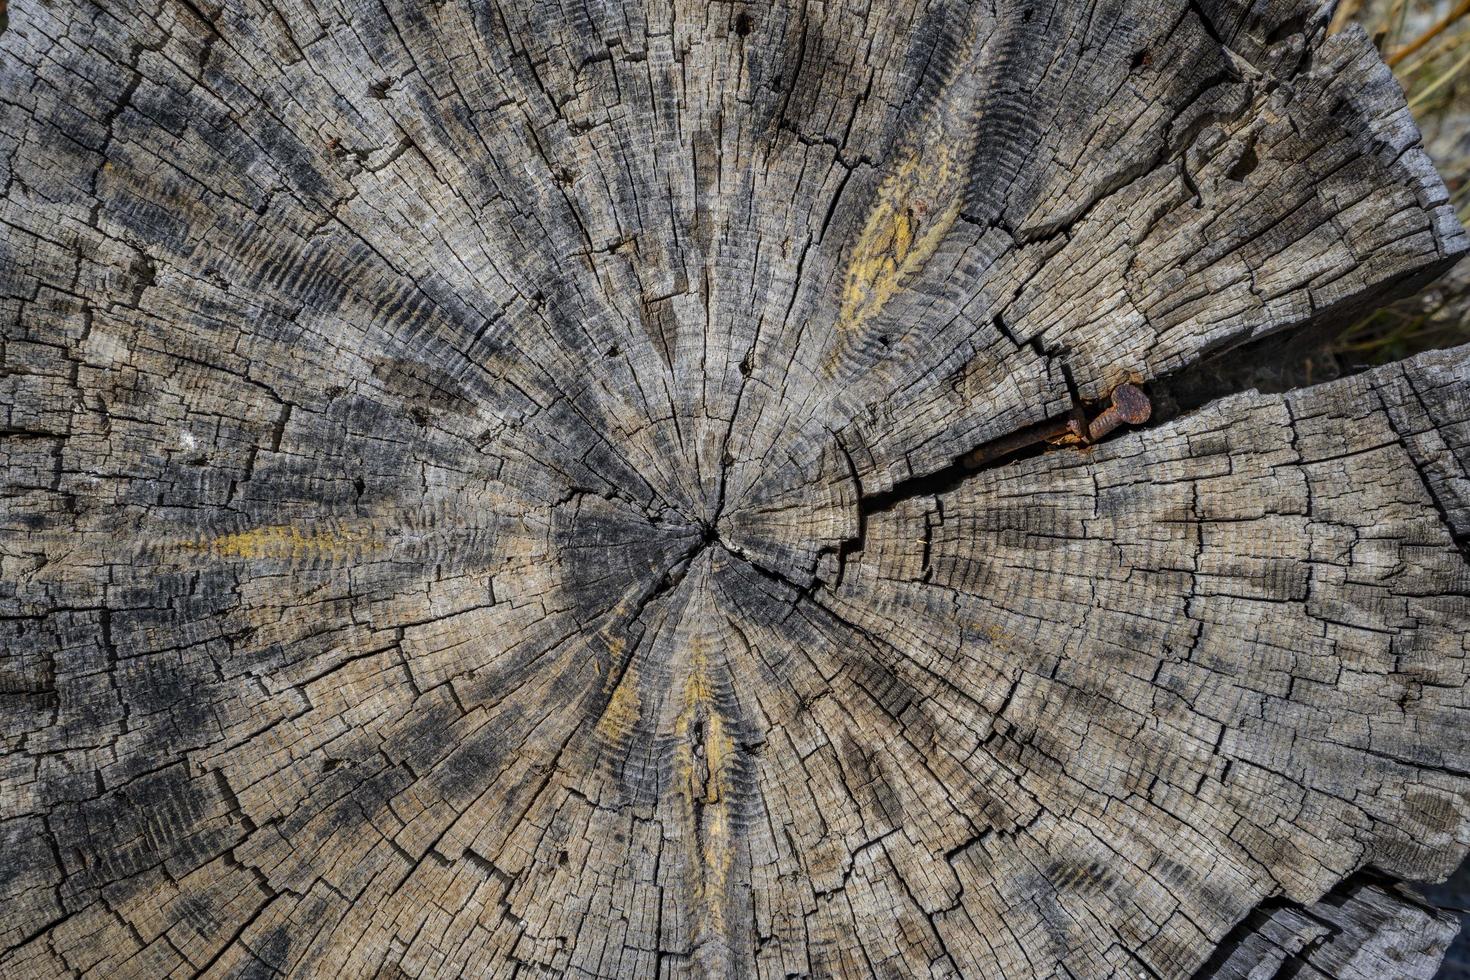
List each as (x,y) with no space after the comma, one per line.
(484,492)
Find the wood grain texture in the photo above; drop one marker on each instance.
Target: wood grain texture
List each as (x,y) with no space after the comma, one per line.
(482,494)
(1361,929)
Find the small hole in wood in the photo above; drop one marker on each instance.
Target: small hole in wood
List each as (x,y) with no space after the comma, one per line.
(1246,165)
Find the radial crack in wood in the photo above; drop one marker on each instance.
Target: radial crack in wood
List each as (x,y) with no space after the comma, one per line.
(518,489)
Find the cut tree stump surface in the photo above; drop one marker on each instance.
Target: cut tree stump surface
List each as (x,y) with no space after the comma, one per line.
(533,489)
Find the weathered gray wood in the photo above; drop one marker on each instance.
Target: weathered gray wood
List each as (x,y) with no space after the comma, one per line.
(1217,661)
(1361,930)
(480,495)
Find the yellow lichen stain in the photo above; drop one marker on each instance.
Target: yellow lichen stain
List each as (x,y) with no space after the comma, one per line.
(705,755)
(289,542)
(623,709)
(916,206)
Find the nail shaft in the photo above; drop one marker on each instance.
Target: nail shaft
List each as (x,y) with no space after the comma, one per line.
(1129,406)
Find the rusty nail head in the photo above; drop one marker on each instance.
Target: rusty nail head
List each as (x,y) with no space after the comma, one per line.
(1129,405)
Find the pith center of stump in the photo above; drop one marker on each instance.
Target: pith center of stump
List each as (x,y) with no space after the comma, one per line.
(792,516)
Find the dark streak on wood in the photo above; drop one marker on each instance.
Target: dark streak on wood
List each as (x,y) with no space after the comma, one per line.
(553,489)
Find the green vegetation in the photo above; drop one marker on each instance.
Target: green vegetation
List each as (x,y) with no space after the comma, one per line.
(1427,42)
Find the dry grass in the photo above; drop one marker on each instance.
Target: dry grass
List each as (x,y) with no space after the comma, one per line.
(1428,44)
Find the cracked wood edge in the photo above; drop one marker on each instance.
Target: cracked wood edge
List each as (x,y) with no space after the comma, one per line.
(1253,648)
(1362,929)
(439,452)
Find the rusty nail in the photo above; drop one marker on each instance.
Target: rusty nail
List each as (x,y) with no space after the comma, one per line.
(1129,405)
(1069,430)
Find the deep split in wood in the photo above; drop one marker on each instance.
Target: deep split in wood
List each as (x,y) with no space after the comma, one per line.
(630,489)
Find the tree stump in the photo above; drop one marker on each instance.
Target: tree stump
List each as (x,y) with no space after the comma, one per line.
(615,489)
